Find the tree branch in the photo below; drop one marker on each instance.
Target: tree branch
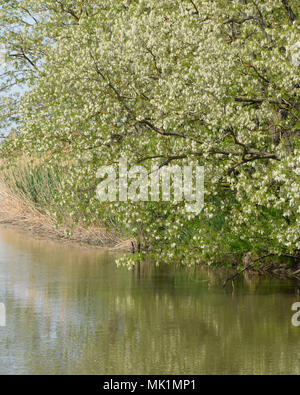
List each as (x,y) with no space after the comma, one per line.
(289,10)
(232,278)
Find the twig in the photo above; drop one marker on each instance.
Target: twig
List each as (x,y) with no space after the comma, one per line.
(232,278)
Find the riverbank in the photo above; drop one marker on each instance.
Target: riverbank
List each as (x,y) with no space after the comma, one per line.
(21,214)
(281,268)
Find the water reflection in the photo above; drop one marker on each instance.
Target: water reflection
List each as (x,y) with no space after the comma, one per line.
(70,310)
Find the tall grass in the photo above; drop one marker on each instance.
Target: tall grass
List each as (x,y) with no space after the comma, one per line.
(30,197)
(33,182)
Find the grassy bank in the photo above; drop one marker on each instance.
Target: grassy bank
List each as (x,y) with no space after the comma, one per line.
(30,201)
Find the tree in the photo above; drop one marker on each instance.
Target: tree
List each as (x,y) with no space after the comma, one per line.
(205,82)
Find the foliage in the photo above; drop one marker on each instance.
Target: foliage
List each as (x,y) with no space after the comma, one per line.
(208,82)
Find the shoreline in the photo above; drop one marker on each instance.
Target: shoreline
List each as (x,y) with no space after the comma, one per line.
(56,236)
(17,213)
(278,270)
(282,271)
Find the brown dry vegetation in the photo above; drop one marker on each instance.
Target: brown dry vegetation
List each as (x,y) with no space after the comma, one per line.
(19,212)
(28,199)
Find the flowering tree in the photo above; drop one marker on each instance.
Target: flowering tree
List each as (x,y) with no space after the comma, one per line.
(209,82)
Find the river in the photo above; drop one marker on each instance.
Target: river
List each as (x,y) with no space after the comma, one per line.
(70,310)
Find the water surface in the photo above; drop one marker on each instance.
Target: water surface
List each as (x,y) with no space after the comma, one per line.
(71,311)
